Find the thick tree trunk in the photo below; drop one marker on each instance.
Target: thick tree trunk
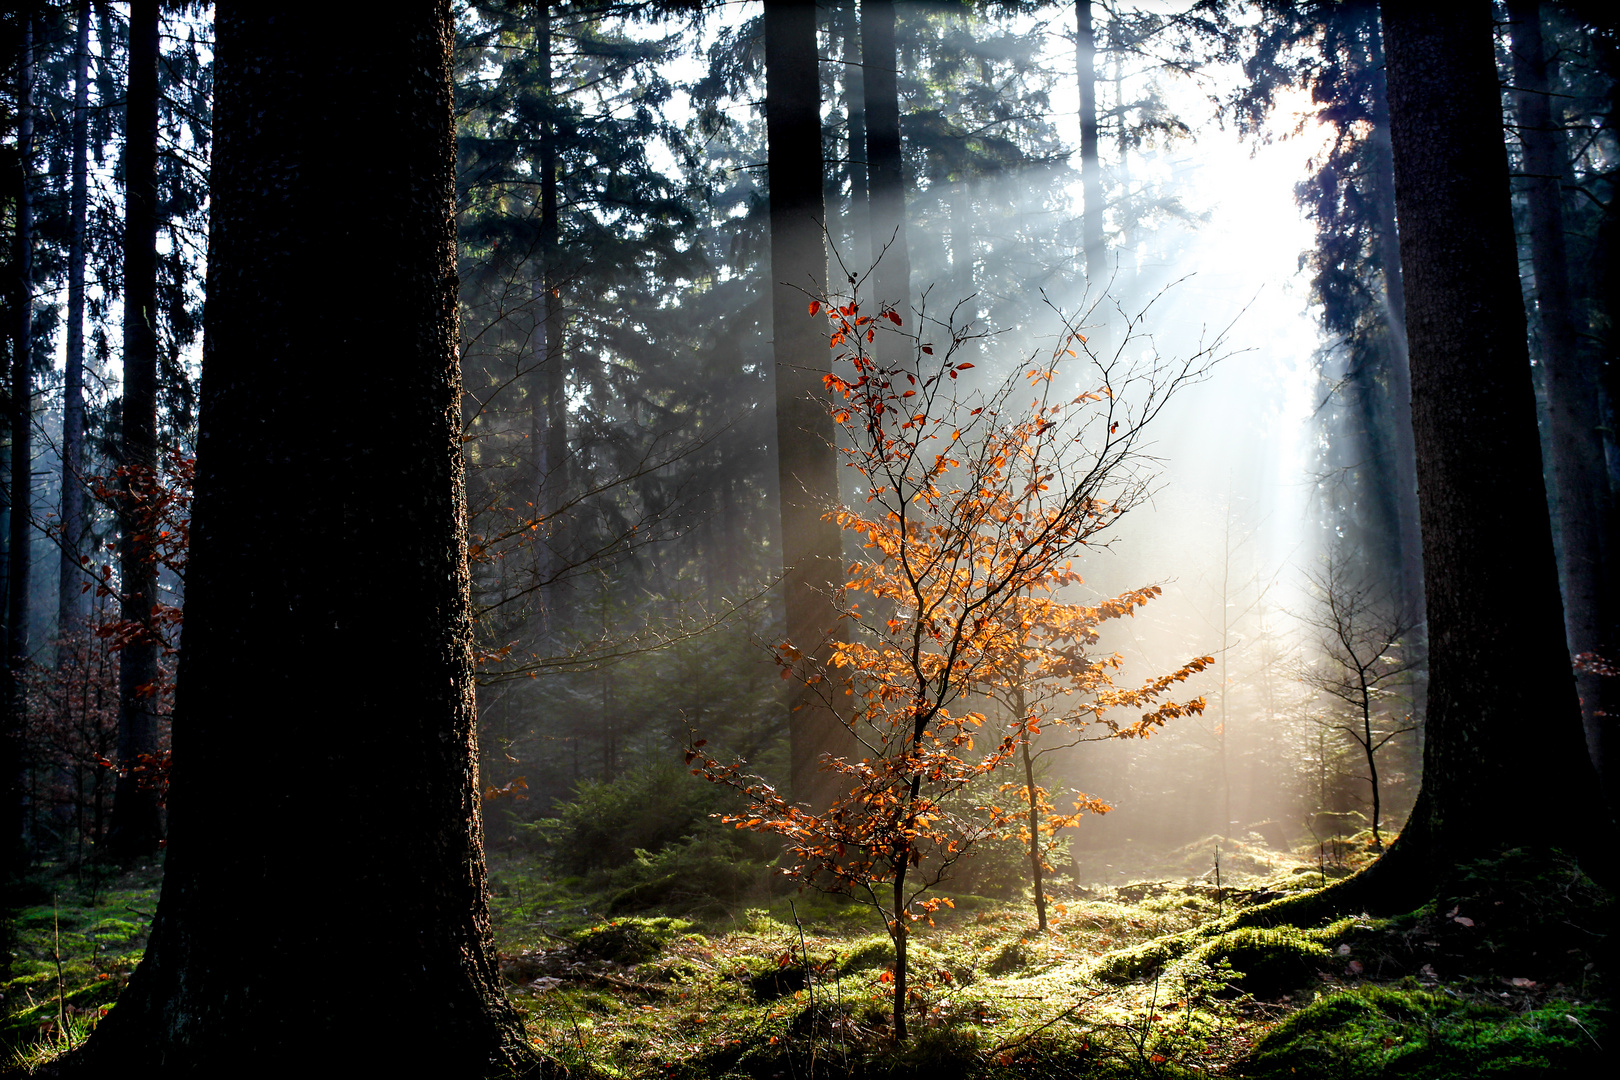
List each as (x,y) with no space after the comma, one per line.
(20,525)
(1085,45)
(1502,716)
(137,825)
(324,808)
(890,256)
(1580,476)
(806,462)
(71,577)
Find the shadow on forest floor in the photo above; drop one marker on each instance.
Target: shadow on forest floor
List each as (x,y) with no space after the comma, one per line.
(1149,978)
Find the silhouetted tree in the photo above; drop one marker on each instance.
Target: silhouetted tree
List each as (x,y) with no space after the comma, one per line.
(303,795)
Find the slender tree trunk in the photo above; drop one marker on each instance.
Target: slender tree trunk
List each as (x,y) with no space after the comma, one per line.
(1492,669)
(137,823)
(70,574)
(316,813)
(1408,529)
(551,416)
(1085,44)
(1035,867)
(901,935)
(1580,476)
(860,209)
(18,539)
(807,467)
(890,255)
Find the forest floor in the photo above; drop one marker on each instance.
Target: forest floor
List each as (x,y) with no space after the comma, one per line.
(1150,978)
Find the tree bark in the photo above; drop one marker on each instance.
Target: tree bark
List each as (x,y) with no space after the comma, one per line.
(551,408)
(70,574)
(1502,716)
(890,257)
(137,825)
(807,466)
(1085,45)
(1580,476)
(325,804)
(20,526)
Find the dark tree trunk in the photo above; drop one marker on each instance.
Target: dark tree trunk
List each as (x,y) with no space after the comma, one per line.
(1580,476)
(880,68)
(137,825)
(1085,45)
(71,577)
(806,463)
(324,810)
(19,538)
(1502,713)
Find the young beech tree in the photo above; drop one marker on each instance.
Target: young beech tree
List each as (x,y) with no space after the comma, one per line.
(975,503)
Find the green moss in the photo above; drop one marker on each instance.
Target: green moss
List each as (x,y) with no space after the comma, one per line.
(1376,1032)
(1266,962)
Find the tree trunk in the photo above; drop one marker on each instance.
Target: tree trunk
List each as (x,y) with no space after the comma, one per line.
(137,825)
(71,576)
(806,463)
(325,803)
(1580,476)
(890,257)
(1035,866)
(1085,45)
(1408,530)
(19,538)
(860,210)
(1497,659)
(551,408)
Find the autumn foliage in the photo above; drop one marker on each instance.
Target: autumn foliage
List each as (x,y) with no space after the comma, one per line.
(973,504)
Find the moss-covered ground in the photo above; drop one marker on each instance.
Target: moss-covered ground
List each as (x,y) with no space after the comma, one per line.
(1156,976)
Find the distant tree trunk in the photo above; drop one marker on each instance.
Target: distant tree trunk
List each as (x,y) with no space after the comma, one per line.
(880,66)
(320,811)
(137,825)
(551,408)
(1085,44)
(71,577)
(19,538)
(806,463)
(1408,529)
(860,210)
(1580,475)
(1502,713)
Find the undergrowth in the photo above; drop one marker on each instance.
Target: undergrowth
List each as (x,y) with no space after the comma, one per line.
(1501,976)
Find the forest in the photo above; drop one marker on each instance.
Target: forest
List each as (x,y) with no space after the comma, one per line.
(945,538)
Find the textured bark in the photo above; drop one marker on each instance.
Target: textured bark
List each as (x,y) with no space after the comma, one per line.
(20,525)
(70,575)
(137,825)
(807,467)
(324,806)
(892,278)
(1085,46)
(1580,476)
(1502,713)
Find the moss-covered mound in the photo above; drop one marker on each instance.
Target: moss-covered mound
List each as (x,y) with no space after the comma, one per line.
(1374,1032)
